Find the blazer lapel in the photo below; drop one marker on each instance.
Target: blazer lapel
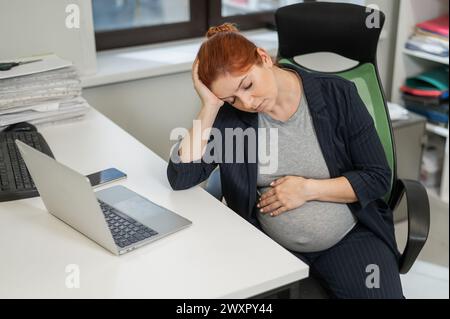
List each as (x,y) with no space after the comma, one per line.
(252,168)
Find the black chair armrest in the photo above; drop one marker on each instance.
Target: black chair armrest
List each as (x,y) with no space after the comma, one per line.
(418,209)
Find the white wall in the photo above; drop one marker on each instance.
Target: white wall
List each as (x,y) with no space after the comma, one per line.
(149,108)
(386,47)
(36,27)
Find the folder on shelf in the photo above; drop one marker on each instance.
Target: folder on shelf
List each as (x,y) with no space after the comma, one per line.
(433,83)
(427,101)
(439,25)
(428,44)
(431,114)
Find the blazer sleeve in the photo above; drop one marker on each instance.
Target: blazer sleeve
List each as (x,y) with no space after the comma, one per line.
(371,174)
(186,175)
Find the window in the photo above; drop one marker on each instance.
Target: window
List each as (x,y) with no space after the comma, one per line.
(124,14)
(238,7)
(248,14)
(122,23)
(358,2)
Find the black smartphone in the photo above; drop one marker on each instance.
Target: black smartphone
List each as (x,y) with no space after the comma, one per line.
(106,176)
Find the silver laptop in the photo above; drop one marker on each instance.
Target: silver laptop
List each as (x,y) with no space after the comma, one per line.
(116,218)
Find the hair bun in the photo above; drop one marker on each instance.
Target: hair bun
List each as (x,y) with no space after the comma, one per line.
(226,27)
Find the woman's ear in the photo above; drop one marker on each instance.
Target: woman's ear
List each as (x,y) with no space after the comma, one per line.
(265,57)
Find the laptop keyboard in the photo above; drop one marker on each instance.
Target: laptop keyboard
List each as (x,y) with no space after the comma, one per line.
(125,230)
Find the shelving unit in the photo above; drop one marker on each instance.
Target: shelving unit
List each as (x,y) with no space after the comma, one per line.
(436,129)
(408,63)
(426,56)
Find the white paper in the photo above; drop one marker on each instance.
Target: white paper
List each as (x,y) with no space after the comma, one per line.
(397,112)
(51,106)
(49,62)
(72,108)
(43,92)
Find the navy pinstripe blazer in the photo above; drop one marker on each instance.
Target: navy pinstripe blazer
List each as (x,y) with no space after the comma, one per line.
(349,143)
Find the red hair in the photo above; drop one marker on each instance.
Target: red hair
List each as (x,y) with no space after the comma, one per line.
(226,51)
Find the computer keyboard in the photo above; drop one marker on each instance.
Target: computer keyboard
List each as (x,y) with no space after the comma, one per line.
(125,230)
(15,180)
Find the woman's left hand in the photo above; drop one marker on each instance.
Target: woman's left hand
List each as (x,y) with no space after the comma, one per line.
(287,193)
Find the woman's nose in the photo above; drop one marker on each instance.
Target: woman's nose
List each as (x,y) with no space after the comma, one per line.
(248,100)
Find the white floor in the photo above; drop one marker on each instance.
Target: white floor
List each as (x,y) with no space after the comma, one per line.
(426,281)
(429,276)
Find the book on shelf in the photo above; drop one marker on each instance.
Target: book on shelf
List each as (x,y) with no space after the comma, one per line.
(432,101)
(437,25)
(431,37)
(434,116)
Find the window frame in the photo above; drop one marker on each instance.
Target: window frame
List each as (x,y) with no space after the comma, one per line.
(244,21)
(202,15)
(263,19)
(195,27)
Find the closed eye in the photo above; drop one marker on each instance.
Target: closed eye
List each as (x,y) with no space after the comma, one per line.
(245,88)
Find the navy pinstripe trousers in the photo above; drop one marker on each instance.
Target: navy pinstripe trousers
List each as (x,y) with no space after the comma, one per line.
(360,266)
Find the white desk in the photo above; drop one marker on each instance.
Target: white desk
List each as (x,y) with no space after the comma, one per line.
(219,256)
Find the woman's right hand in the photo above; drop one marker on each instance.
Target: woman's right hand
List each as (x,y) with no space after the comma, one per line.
(208,98)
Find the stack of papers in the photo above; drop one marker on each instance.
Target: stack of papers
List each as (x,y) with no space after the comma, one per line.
(431,37)
(397,112)
(40,92)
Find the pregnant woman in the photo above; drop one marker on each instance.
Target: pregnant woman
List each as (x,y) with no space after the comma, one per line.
(320,193)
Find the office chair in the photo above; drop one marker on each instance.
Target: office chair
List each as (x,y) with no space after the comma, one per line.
(340,28)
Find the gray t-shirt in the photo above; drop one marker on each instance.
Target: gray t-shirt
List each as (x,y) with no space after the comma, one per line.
(315,226)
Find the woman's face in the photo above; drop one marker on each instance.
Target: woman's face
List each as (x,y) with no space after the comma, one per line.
(252,91)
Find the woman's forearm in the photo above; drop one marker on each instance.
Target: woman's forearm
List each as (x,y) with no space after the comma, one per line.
(337,190)
(193,145)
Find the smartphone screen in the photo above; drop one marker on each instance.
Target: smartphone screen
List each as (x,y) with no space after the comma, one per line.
(106,176)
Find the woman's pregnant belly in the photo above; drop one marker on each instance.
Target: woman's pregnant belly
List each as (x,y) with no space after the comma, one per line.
(315,226)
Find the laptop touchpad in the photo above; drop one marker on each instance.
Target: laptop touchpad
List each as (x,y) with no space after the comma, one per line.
(156,217)
(138,208)
(141,209)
